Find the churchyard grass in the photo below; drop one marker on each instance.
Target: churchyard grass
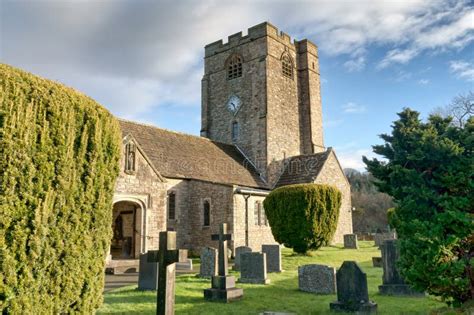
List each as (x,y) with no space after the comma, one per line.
(281,295)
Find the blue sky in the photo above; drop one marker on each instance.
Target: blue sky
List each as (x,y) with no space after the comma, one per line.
(143,59)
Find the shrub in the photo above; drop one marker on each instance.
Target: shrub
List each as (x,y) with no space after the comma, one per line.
(59,160)
(303,216)
(429,172)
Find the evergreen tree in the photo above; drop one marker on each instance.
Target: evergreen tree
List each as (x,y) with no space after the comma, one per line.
(429,172)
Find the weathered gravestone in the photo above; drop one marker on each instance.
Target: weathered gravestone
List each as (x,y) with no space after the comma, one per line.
(352,291)
(208,262)
(184,263)
(317,279)
(393,283)
(223,286)
(380,237)
(377,262)
(148,274)
(166,256)
(350,241)
(238,251)
(253,268)
(273,257)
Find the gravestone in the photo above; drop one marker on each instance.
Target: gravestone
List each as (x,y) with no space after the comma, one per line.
(317,279)
(253,268)
(393,283)
(273,257)
(352,291)
(223,286)
(208,262)
(184,263)
(378,238)
(166,256)
(377,262)
(350,241)
(148,274)
(238,251)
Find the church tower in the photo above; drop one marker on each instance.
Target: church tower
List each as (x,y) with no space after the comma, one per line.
(261,93)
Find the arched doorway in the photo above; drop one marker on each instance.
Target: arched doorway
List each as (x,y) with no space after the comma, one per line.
(127,227)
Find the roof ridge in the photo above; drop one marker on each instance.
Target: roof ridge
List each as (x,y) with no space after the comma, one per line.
(173,131)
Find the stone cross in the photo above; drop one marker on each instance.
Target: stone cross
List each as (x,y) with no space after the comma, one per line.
(222,237)
(166,257)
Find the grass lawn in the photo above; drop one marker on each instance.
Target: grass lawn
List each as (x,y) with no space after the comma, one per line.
(281,295)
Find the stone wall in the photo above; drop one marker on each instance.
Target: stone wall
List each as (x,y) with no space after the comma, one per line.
(258,234)
(144,184)
(332,174)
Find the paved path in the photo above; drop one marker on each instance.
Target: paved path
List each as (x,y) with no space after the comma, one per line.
(126,279)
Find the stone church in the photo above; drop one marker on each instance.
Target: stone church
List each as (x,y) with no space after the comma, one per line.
(261,129)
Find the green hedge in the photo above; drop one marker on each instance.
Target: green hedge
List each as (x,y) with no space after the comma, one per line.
(59,161)
(304,216)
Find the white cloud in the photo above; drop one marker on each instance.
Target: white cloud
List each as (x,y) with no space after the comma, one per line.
(423,81)
(462,69)
(353,108)
(136,55)
(352,157)
(332,123)
(356,64)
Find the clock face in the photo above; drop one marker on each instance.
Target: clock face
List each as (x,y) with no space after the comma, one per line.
(233,104)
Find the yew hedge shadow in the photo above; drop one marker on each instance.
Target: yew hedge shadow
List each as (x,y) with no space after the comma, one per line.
(59,160)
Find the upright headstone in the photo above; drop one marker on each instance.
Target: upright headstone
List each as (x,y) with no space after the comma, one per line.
(393,283)
(273,257)
(317,279)
(238,251)
(147,274)
(208,262)
(166,256)
(223,286)
(350,241)
(184,263)
(253,268)
(352,291)
(378,238)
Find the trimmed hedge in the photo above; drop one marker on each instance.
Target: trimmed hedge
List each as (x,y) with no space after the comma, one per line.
(59,161)
(303,216)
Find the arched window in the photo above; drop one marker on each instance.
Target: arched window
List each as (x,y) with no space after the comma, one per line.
(235,131)
(130,149)
(287,66)
(234,67)
(207,213)
(172,206)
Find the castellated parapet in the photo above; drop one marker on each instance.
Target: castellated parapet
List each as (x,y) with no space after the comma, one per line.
(255,32)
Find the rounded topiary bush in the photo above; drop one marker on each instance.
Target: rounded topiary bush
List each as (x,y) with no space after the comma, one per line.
(303,216)
(59,161)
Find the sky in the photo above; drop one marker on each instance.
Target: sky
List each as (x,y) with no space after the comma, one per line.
(143,60)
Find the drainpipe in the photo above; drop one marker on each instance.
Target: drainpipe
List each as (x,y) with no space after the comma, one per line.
(246,197)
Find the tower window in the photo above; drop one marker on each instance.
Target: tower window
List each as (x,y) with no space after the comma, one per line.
(172,206)
(234,67)
(130,149)
(235,131)
(206,213)
(287,66)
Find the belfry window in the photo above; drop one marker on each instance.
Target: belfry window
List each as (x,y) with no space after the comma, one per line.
(235,131)
(206,213)
(234,67)
(287,66)
(130,156)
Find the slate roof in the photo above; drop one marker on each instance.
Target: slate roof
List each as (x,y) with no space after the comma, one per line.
(178,155)
(302,169)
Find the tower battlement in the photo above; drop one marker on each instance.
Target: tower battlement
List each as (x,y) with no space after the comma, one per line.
(253,33)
